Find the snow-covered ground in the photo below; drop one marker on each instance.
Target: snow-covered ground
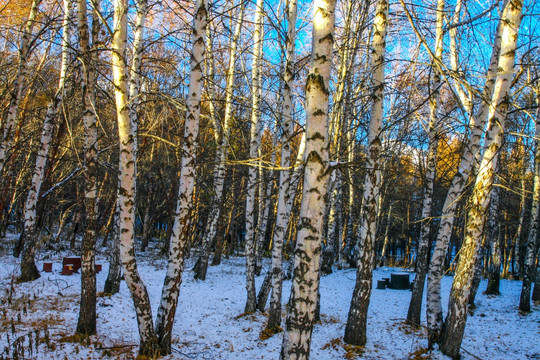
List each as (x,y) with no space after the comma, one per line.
(208,325)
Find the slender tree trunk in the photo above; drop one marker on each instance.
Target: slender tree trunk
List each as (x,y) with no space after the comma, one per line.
(332,238)
(532,241)
(422,260)
(184,204)
(494,236)
(355,329)
(454,325)
(472,149)
(29,270)
(87,313)
(112,283)
(305,284)
(221,154)
(254,145)
(141,301)
(282,213)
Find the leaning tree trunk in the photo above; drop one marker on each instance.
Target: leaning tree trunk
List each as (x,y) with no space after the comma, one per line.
(282,213)
(254,145)
(472,149)
(10,124)
(87,315)
(126,198)
(221,155)
(355,329)
(422,259)
(454,325)
(184,204)
(29,270)
(532,241)
(305,284)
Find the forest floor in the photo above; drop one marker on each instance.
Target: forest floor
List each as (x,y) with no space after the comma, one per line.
(38,319)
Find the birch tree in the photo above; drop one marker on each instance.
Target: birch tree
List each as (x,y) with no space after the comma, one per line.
(454,325)
(305,284)
(422,259)
(282,215)
(532,241)
(472,149)
(355,330)
(254,145)
(87,314)
(126,198)
(29,270)
(184,203)
(221,153)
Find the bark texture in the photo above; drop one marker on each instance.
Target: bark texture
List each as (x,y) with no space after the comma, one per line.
(472,150)
(355,329)
(532,241)
(305,284)
(184,203)
(126,198)
(282,213)
(454,325)
(254,145)
(422,258)
(87,314)
(29,270)
(221,154)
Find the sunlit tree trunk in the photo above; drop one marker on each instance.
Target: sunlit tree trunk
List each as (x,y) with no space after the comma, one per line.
(10,123)
(454,325)
(472,149)
(87,314)
(221,154)
(184,204)
(305,284)
(283,213)
(422,258)
(254,145)
(126,198)
(532,241)
(355,330)
(29,270)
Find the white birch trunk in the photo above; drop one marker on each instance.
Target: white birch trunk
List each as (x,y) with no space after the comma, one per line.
(305,284)
(454,325)
(221,154)
(10,123)
(126,198)
(532,241)
(28,268)
(282,212)
(422,258)
(254,145)
(184,204)
(87,314)
(472,149)
(355,330)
